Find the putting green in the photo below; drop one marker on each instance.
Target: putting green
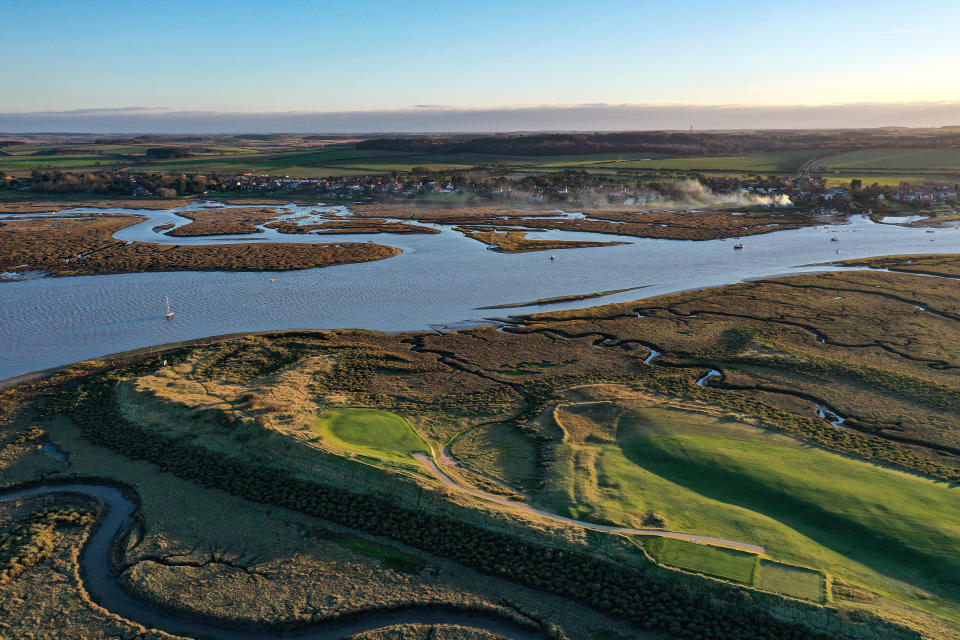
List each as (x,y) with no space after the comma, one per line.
(371,432)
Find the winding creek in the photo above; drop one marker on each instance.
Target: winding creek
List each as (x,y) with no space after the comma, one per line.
(439,281)
(99,579)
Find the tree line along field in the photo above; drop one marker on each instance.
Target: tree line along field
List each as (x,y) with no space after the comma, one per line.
(564,411)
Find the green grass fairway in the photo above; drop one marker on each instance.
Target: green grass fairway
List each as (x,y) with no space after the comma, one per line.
(791,581)
(371,432)
(893,532)
(719,562)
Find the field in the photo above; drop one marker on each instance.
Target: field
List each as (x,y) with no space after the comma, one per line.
(346,160)
(371,432)
(789,580)
(729,564)
(933,159)
(335,157)
(244,157)
(886,179)
(772,162)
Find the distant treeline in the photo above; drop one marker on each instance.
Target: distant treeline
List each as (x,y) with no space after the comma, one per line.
(117,183)
(163,153)
(667,142)
(150,138)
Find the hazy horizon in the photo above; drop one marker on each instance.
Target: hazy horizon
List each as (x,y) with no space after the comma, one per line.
(588,117)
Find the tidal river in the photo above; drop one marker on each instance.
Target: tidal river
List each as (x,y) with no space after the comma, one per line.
(439,281)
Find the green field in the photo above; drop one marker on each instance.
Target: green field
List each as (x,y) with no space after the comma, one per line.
(789,580)
(370,432)
(719,562)
(776,161)
(841,179)
(896,159)
(872,525)
(344,159)
(333,160)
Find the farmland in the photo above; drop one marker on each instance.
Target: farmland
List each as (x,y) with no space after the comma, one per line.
(343,160)
(894,158)
(313,157)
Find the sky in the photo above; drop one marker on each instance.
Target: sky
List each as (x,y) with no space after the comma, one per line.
(403,60)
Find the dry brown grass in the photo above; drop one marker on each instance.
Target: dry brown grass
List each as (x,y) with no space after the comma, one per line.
(518,242)
(212,222)
(60,204)
(48,601)
(588,421)
(53,246)
(675,225)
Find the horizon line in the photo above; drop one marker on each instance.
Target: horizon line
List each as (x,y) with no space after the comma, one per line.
(587,117)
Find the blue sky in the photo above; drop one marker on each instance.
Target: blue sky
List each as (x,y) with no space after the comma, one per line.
(246,56)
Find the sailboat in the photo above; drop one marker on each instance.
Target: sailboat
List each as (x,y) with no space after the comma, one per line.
(169,313)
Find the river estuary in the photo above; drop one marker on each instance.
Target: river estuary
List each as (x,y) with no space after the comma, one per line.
(438,282)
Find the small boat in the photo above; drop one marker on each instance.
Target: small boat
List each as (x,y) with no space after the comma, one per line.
(553,258)
(834,239)
(739,245)
(169,313)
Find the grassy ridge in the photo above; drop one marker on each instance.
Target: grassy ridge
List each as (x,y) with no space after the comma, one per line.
(803,504)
